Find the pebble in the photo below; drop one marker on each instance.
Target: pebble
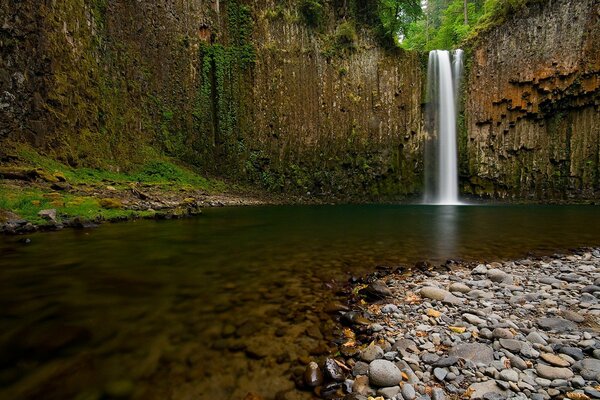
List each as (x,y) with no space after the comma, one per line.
(497,331)
(384,373)
(372,352)
(408,391)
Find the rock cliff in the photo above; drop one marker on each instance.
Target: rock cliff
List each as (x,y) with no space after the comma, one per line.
(532,120)
(250,91)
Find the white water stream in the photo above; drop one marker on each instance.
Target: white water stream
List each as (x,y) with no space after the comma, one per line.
(444,73)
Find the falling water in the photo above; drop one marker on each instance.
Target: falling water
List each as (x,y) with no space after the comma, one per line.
(443,81)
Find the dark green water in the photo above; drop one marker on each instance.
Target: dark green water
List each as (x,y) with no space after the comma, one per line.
(220,305)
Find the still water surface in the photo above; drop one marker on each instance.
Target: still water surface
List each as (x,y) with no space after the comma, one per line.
(223,304)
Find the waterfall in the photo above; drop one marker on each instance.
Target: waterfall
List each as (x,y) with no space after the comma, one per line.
(441,169)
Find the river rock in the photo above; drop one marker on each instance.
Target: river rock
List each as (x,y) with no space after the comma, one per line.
(554,360)
(498,276)
(389,392)
(313,376)
(572,316)
(511,344)
(480,390)
(548,372)
(408,391)
(384,373)
(442,295)
(476,352)
(573,352)
(333,370)
(459,287)
(556,324)
(49,215)
(377,290)
(589,364)
(509,375)
(372,352)
(502,333)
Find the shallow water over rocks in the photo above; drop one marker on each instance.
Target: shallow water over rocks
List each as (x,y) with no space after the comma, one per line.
(224,304)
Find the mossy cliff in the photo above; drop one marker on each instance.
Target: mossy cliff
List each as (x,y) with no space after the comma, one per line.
(293,96)
(298,96)
(532,109)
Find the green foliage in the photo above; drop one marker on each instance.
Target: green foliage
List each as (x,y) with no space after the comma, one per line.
(312,12)
(396,16)
(387,18)
(443,23)
(159,171)
(218,104)
(28,202)
(345,35)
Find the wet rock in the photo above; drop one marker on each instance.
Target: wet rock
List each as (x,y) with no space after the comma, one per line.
(313,376)
(384,373)
(376,290)
(354,318)
(333,370)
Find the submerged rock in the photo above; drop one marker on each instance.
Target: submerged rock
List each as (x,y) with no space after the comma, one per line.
(313,376)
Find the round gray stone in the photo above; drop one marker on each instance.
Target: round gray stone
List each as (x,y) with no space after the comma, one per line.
(384,373)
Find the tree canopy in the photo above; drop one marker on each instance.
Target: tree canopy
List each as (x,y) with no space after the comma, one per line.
(444,24)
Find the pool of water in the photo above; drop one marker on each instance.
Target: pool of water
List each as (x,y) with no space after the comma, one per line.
(224,304)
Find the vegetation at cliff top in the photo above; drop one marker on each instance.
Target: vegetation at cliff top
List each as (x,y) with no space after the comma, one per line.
(444,24)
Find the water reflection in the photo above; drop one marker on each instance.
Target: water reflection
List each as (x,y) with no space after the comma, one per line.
(220,305)
(445,233)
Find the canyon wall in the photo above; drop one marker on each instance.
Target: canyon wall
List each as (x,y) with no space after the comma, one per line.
(532,108)
(245,90)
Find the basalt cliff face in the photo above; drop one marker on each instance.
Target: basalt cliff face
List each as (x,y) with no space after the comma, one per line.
(247,90)
(255,92)
(532,108)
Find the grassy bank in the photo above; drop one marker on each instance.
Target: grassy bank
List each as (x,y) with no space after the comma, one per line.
(31,182)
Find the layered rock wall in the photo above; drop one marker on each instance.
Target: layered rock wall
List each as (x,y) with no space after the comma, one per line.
(532,109)
(247,90)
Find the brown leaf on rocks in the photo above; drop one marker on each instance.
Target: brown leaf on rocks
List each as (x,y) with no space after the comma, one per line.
(412,298)
(578,396)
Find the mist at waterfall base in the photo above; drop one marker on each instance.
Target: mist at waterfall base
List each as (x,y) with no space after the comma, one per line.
(444,73)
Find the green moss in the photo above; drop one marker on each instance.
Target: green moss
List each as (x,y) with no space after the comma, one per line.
(28,202)
(346,36)
(161,171)
(312,12)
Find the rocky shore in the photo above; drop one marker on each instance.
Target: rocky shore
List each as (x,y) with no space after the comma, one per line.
(122,202)
(524,329)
